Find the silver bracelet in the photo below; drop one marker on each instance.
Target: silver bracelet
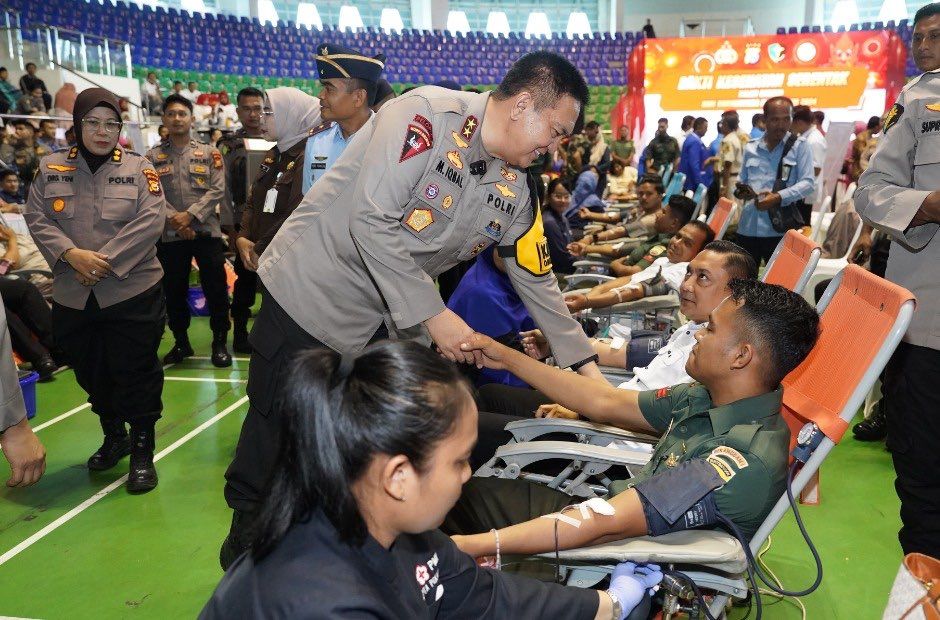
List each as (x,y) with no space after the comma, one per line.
(499,558)
(616,604)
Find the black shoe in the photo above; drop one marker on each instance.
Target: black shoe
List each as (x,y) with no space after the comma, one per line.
(46,366)
(180,351)
(116,446)
(239,538)
(872,428)
(240,342)
(220,354)
(142,476)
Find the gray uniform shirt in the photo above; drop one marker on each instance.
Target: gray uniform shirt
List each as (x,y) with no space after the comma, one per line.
(399,207)
(193,179)
(118,211)
(903,172)
(12,406)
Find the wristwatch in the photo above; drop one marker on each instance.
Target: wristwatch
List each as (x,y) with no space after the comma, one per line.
(616,604)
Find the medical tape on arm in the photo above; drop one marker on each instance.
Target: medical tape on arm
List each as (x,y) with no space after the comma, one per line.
(595,504)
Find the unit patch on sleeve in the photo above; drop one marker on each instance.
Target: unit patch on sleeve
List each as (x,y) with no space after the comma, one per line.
(893,116)
(216,159)
(418,138)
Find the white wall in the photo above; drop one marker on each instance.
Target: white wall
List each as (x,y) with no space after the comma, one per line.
(666,15)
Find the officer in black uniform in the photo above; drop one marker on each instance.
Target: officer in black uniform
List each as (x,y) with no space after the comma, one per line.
(193,178)
(250,112)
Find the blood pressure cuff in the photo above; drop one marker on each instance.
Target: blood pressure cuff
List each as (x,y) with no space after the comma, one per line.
(656,287)
(680,498)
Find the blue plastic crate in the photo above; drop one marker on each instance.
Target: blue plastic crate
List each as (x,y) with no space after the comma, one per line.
(28,386)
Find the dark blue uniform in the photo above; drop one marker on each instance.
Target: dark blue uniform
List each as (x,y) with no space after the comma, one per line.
(311,574)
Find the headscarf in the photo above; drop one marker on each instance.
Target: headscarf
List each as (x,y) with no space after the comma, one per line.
(584,195)
(84,103)
(293,115)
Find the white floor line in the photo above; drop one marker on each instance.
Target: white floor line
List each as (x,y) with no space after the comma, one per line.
(68,413)
(74,512)
(205,357)
(205,380)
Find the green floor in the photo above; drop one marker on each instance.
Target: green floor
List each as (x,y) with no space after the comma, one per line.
(65,555)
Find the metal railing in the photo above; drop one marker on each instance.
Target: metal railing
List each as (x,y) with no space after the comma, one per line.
(82,51)
(12,35)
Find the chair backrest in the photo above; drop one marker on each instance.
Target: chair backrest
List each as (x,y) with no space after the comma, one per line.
(667,174)
(862,320)
(793,262)
(699,198)
(675,186)
(720,217)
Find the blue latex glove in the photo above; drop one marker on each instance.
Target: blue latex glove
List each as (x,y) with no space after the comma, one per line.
(630,582)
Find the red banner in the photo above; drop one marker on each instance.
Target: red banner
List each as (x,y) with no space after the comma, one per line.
(821,70)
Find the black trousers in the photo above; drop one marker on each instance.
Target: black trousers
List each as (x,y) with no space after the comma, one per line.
(243,297)
(275,339)
(498,406)
(761,248)
(487,503)
(176,257)
(113,351)
(28,317)
(913,408)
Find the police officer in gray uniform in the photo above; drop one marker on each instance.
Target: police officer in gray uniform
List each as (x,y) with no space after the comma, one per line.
(193,176)
(21,447)
(899,194)
(434,179)
(96,212)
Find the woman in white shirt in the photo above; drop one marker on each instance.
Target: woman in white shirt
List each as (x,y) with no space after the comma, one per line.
(621,182)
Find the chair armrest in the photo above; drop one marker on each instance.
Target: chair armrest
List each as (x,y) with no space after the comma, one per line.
(578,278)
(587,432)
(654,302)
(711,548)
(591,263)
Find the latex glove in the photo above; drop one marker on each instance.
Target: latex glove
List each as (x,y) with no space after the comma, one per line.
(630,582)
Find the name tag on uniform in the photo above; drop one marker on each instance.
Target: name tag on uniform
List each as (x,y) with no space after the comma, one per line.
(269,200)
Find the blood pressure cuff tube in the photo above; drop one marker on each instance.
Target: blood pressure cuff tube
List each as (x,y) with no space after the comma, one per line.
(680,498)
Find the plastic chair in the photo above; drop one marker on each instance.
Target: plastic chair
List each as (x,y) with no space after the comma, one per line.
(699,198)
(793,262)
(863,318)
(721,217)
(667,174)
(818,217)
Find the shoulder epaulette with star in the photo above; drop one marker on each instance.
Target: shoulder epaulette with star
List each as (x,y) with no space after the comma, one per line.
(320,128)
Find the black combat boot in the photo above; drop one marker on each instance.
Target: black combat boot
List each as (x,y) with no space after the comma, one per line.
(116,446)
(220,355)
(240,342)
(874,427)
(180,351)
(142,476)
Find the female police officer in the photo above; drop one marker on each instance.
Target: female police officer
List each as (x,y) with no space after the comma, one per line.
(96,212)
(374,452)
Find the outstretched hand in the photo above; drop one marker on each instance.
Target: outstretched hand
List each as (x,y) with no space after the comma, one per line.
(491,354)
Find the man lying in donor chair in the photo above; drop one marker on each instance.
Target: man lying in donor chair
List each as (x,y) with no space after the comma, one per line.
(723,447)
